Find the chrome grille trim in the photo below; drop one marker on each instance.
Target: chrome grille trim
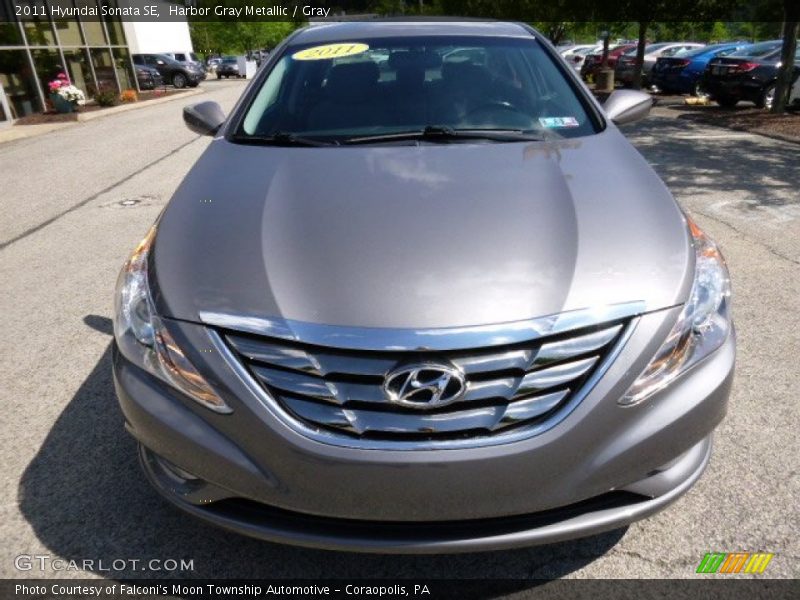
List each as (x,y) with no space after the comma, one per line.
(445,338)
(333,410)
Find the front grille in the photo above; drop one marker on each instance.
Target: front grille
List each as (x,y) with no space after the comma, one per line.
(508,388)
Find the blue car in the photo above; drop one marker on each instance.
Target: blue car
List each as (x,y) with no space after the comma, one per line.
(682,74)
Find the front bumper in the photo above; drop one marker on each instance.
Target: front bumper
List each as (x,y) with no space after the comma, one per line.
(602,467)
(592,516)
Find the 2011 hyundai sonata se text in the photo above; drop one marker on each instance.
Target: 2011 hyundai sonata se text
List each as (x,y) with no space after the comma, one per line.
(419,294)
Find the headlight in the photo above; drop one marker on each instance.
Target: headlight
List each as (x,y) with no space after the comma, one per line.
(143,338)
(702,327)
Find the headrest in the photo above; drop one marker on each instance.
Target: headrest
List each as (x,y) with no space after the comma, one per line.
(350,80)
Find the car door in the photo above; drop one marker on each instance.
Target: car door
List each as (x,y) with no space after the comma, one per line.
(160,65)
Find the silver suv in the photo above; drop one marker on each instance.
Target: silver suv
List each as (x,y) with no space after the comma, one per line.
(421,295)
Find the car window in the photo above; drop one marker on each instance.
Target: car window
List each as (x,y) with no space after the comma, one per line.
(386,85)
(759,50)
(726,52)
(180,56)
(649,48)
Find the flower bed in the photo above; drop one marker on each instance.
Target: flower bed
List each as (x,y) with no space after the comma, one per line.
(52,116)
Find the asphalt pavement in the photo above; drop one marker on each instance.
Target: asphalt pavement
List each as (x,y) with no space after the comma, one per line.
(76,201)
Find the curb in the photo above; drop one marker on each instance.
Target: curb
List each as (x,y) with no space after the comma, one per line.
(91,116)
(766,134)
(21,132)
(775,136)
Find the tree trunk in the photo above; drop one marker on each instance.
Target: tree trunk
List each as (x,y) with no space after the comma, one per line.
(637,73)
(783,85)
(604,61)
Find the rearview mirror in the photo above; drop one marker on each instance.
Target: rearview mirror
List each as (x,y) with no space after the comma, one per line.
(204,118)
(627,106)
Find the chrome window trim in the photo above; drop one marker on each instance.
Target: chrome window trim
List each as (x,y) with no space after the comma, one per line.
(446,338)
(334,439)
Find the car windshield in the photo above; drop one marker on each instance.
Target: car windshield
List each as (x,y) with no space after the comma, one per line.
(374,87)
(757,50)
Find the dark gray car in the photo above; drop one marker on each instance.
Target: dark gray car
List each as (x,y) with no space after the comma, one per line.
(421,295)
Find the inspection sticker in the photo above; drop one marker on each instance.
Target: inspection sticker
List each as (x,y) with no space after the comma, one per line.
(329,51)
(558,122)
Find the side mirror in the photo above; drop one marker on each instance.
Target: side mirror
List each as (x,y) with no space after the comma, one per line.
(627,106)
(204,118)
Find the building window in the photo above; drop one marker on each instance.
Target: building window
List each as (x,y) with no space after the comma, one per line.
(92,29)
(9,30)
(103,69)
(69,32)
(19,83)
(48,65)
(122,62)
(115,31)
(78,69)
(38,30)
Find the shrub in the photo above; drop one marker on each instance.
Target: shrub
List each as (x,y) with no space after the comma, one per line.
(128,96)
(105,97)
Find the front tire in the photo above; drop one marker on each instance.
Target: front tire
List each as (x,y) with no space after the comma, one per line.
(179,80)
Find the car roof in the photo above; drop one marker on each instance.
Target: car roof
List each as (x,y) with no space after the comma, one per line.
(344,31)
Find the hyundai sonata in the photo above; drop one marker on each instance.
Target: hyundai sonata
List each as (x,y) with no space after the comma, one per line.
(421,295)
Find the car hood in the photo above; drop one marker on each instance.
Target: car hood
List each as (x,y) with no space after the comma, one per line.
(420,236)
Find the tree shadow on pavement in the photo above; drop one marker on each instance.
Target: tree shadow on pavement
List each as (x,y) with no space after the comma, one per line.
(697,160)
(86,498)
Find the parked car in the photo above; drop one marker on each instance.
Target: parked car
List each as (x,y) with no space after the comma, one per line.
(577,58)
(148,77)
(593,62)
(228,67)
(683,74)
(213,63)
(625,68)
(178,74)
(747,74)
(567,51)
(413,329)
(186,58)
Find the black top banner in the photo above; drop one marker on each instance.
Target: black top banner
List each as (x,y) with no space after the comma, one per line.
(550,11)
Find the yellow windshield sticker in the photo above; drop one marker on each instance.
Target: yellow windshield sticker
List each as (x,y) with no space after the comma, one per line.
(330,51)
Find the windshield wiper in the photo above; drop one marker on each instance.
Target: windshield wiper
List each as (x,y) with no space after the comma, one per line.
(280,138)
(441,133)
